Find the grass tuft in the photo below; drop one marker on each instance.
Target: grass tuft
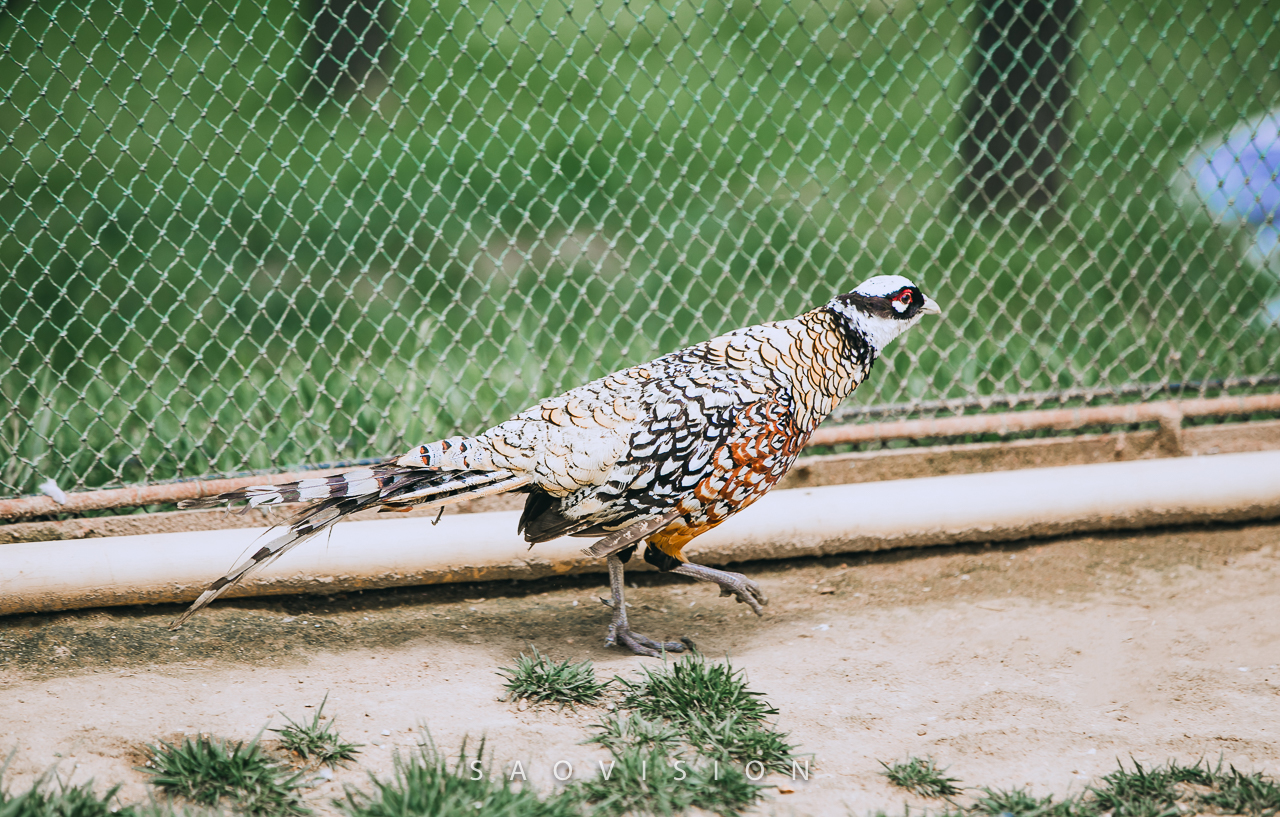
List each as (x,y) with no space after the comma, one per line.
(1140,792)
(741,739)
(692,688)
(425,784)
(1237,793)
(42,800)
(539,679)
(711,706)
(921,776)
(212,772)
(1198,774)
(618,734)
(316,739)
(1160,791)
(167,808)
(1020,803)
(652,781)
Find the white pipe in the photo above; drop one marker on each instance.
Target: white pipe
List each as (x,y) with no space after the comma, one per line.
(44,576)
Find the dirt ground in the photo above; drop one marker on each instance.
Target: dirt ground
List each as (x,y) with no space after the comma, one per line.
(1038,664)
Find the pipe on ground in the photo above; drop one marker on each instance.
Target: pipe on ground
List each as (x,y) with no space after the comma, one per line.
(1003,506)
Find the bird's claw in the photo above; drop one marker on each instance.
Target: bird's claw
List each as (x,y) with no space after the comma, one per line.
(642,644)
(746,592)
(730,584)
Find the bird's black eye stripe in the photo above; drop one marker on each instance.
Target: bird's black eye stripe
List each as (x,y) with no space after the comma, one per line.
(880,306)
(904,303)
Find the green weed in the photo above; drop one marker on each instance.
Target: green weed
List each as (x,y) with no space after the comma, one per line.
(1237,793)
(316,739)
(652,781)
(168,808)
(921,776)
(1198,774)
(691,688)
(43,800)
(214,772)
(620,733)
(1020,803)
(712,708)
(538,679)
(424,783)
(1138,793)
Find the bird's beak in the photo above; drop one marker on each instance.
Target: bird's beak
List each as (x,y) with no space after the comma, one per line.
(930,307)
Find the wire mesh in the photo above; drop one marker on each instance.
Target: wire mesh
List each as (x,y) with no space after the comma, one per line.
(243,236)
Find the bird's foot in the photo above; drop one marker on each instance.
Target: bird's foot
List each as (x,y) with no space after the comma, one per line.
(642,644)
(746,592)
(731,584)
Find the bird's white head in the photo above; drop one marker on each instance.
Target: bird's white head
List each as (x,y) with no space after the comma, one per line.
(881,308)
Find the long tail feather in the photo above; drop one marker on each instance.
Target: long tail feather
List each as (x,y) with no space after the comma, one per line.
(353,483)
(342,495)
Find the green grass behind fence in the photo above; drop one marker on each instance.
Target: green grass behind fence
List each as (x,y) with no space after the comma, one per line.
(205,270)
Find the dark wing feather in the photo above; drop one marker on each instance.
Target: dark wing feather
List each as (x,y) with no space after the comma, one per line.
(684,420)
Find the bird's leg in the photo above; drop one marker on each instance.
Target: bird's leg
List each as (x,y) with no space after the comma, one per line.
(731,584)
(620,631)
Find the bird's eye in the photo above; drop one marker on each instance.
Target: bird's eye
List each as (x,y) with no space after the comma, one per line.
(904,297)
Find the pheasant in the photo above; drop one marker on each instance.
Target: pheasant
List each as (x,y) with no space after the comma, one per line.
(658,453)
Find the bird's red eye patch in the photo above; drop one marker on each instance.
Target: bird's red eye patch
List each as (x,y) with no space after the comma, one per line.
(904,297)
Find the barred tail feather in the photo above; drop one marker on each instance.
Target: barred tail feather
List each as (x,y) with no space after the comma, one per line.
(265,554)
(342,495)
(352,483)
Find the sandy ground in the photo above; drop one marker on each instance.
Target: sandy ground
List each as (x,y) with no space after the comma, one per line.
(1035,665)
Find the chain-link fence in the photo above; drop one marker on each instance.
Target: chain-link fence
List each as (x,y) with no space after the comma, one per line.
(252,235)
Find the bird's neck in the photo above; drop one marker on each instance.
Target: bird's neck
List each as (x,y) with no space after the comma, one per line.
(862,338)
(866,335)
(835,364)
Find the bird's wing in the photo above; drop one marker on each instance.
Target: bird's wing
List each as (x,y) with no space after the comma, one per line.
(680,424)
